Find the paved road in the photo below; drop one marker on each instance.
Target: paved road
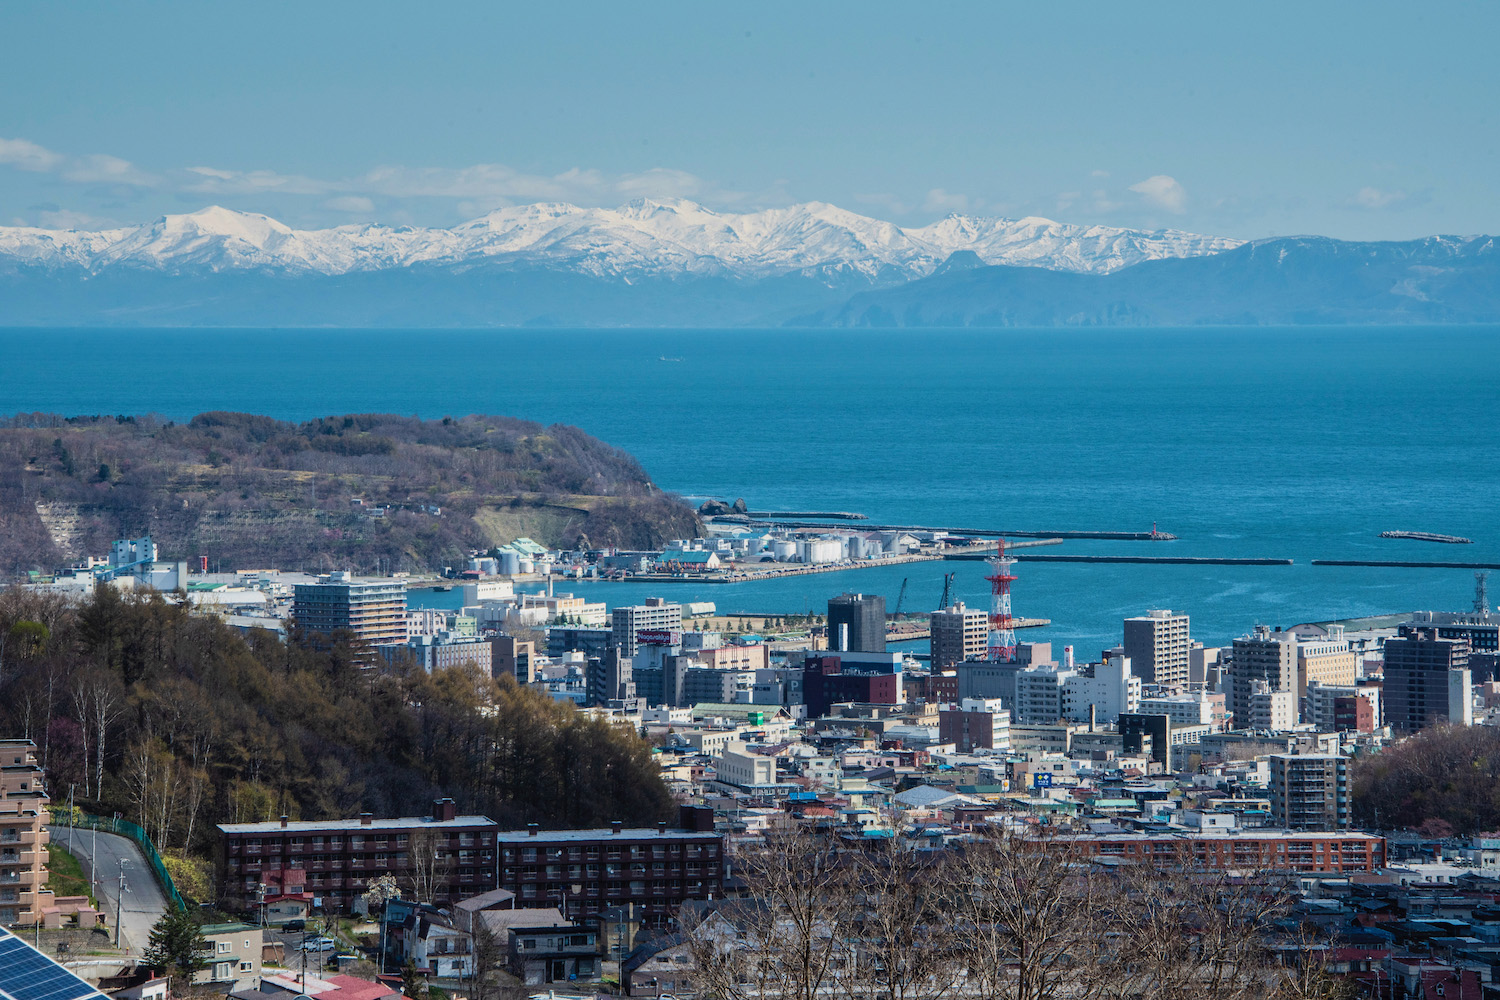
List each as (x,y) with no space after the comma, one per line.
(143,904)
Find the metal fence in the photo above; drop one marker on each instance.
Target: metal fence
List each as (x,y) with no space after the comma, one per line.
(125,828)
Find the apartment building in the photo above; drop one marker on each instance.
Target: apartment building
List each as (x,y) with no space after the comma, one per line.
(856,623)
(1277,850)
(1265,656)
(1328,661)
(656,615)
(1426,680)
(959,633)
(1158,644)
(334,860)
(1310,791)
(374,610)
(233,956)
(23,839)
(585,872)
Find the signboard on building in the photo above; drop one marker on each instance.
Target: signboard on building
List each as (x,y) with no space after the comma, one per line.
(1043,779)
(658,637)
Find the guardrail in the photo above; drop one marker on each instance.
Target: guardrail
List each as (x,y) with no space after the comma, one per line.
(125,828)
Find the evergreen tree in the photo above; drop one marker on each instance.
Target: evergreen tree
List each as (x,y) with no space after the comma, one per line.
(412,983)
(176,945)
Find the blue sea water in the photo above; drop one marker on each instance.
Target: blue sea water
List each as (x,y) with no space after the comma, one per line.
(1296,443)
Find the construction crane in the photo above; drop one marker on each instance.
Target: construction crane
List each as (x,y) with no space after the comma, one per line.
(901,598)
(947,590)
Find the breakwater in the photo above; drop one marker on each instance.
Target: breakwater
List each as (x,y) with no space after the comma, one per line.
(1188,560)
(1112,536)
(1394,564)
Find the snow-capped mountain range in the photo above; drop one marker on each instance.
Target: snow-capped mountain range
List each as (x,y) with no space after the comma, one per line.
(643,238)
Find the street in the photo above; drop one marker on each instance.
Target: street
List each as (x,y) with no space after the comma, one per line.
(143,904)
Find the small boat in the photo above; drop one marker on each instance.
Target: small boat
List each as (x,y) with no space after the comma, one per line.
(665,358)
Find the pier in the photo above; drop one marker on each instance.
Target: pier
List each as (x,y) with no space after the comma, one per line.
(1394,564)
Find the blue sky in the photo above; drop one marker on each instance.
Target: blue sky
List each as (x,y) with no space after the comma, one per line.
(1366,121)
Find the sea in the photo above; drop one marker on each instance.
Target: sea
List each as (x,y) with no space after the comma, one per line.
(1298,443)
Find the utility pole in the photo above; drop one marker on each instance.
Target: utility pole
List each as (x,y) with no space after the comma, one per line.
(94,865)
(119,902)
(71,819)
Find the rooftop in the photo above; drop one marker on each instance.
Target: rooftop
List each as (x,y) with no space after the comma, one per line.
(356,825)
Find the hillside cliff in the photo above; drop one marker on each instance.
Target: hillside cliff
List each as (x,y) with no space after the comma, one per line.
(367,492)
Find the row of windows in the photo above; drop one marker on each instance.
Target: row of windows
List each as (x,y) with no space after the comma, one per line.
(613,853)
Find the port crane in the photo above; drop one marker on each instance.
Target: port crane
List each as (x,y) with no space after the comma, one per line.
(901,598)
(947,590)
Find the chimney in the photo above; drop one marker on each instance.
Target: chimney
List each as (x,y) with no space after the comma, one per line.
(443,810)
(661,828)
(614,827)
(283,822)
(531,829)
(364,819)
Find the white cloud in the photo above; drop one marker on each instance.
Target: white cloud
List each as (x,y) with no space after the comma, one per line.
(1098,173)
(1163,192)
(26,155)
(351,203)
(66,219)
(1370,197)
(939,200)
(95,168)
(101,168)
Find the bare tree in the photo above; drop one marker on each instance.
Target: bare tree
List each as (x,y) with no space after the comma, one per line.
(429,865)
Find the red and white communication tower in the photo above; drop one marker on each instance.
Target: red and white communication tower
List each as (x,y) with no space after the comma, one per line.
(1002,625)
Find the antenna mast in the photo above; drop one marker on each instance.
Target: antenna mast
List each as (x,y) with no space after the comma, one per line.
(1002,646)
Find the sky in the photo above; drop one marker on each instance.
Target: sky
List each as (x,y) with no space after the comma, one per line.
(1365,120)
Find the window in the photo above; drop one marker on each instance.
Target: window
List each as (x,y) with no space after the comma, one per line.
(247,967)
(225,947)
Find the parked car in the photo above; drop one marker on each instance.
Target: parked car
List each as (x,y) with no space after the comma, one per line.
(319,944)
(292,926)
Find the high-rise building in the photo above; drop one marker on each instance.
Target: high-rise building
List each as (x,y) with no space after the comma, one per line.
(1267,656)
(1310,791)
(1329,661)
(856,623)
(959,633)
(1158,645)
(1101,692)
(656,615)
(610,677)
(1268,709)
(374,610)
(23,838)
(1420,682)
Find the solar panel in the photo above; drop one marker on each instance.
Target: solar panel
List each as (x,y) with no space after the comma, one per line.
(27,974)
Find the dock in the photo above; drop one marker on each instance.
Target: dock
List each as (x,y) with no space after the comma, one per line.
(1394,564)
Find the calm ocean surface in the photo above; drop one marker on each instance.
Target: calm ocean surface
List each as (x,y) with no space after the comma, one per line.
(1292,443)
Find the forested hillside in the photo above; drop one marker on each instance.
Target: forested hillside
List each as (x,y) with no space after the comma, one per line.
(253,492)
(1444,781)
(177,722)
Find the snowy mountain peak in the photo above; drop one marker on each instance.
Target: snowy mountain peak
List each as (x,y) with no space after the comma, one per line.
(643,237)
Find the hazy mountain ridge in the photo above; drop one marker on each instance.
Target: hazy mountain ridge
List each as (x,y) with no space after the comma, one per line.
(641,238)
(651,264)
(1296,280)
